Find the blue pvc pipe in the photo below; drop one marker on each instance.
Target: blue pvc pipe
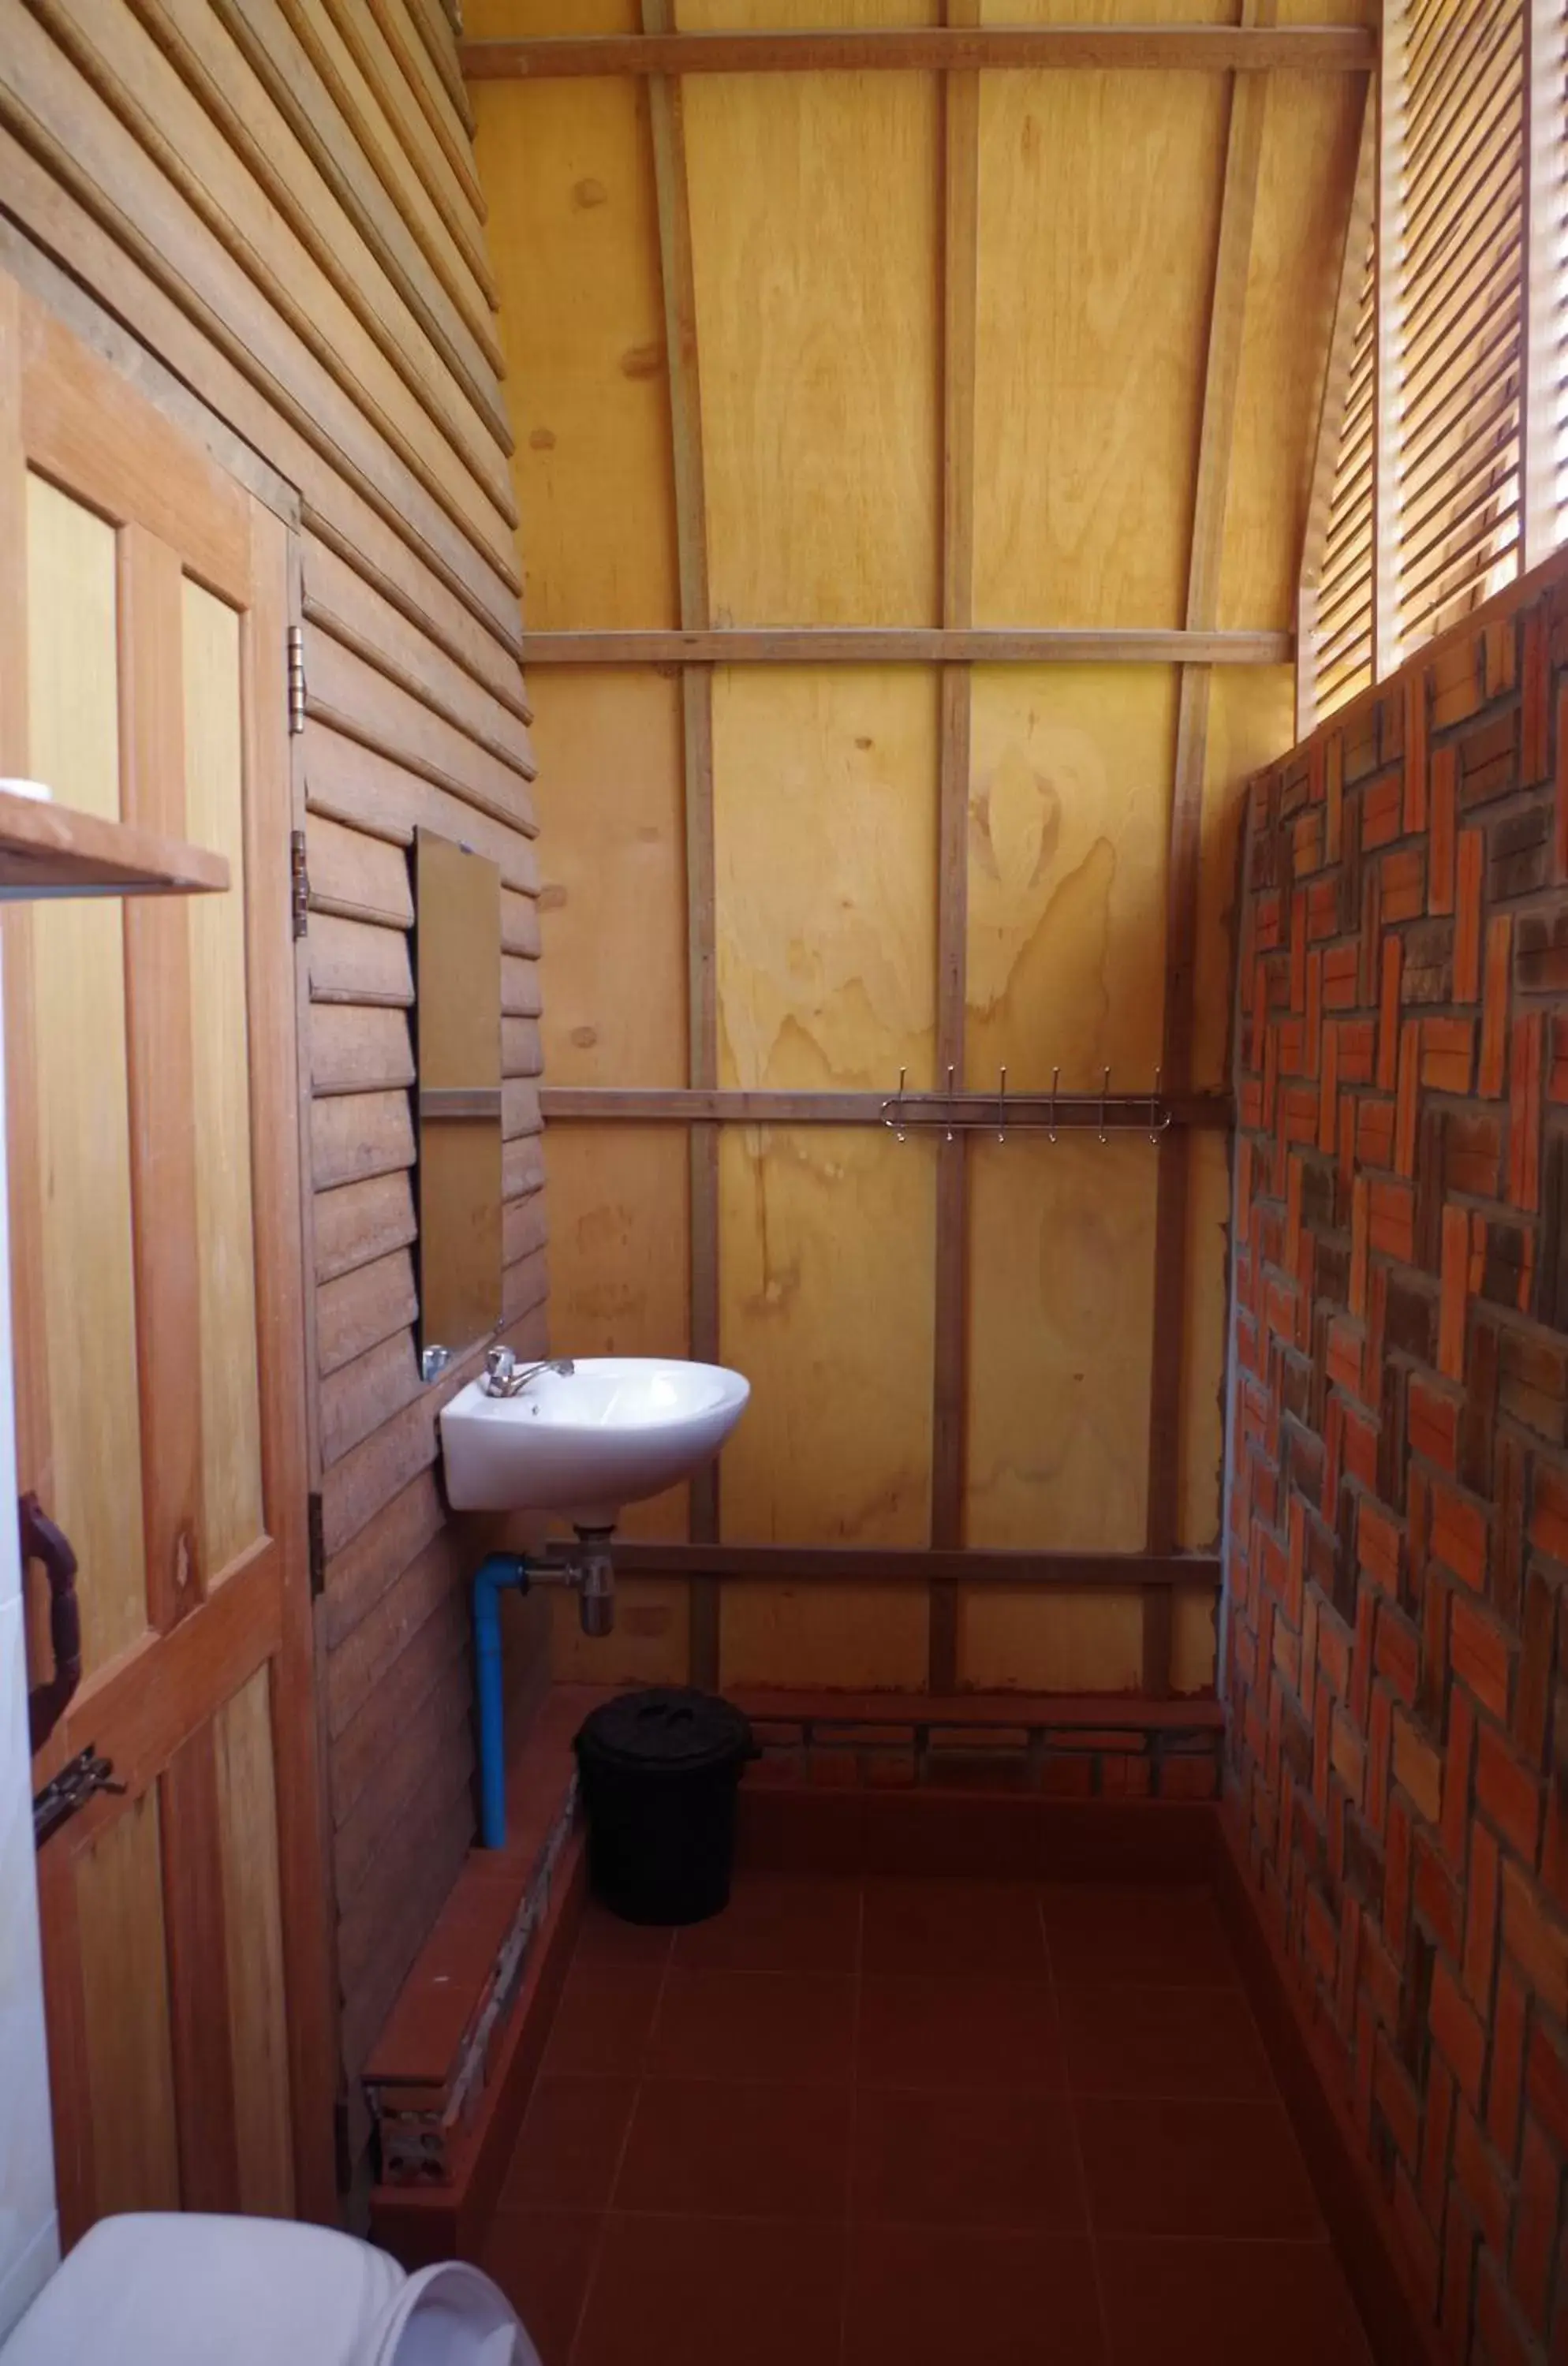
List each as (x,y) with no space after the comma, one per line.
(501,1570)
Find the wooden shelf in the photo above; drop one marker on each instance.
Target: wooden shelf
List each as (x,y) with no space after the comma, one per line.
(50,850)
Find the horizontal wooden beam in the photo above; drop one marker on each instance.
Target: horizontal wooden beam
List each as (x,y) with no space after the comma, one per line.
(944,49)
(908,645)
(914,1565)
(467,1101)
(1059,1712)
(730,1105)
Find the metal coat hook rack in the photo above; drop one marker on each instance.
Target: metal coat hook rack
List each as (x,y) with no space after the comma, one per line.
(1052,1113)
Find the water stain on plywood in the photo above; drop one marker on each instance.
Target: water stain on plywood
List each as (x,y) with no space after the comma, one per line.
(1068,802)
(1061,1248)
(825,845)
(861,1637)
(1016,1639)
(825,1306)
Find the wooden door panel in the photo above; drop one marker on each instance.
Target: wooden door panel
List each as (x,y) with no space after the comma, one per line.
(125,2013)
(84,1452)
(247,1816)
(152,1107)
(232,1514)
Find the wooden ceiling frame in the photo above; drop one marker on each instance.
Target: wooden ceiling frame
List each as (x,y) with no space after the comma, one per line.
(953,48)
(946,644)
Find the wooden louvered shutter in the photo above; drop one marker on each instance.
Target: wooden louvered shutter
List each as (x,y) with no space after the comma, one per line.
(1336,611)
(1442,458)
(1546,471)
(1453,327)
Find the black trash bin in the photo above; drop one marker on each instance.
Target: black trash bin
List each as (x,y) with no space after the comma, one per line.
(659,1771)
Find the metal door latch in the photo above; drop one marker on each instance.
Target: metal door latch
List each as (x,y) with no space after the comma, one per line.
(75,1784)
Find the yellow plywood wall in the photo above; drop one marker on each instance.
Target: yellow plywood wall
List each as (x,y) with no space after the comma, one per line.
(1099,197)
(817,206)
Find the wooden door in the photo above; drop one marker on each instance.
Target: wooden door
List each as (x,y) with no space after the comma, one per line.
(151,1107)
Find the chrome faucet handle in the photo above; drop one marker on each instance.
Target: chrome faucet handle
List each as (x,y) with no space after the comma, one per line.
(505,1377)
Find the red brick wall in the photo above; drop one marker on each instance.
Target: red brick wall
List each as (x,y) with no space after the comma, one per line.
(1397,1666)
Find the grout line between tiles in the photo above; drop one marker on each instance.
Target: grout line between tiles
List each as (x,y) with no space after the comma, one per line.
(596,2263)
(854,2113)
(1076,2135)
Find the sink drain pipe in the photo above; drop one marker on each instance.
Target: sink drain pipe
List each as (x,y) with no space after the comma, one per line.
(588,1570)
(494,1574)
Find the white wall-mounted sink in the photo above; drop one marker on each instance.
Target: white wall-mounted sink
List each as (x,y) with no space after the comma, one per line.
(582,1443)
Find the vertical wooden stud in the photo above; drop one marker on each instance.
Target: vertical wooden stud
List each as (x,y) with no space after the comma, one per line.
(311,1644)
(672,193)
(280,1265)
(961,103)
(1222,376)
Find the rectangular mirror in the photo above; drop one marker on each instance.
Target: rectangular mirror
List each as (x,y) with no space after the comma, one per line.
(458,986)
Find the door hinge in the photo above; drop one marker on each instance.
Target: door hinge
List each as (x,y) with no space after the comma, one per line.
(75,1784)
(296,679)
(318,1547)
(298,883)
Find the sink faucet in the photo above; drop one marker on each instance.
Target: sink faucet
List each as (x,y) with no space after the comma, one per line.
(505,1377)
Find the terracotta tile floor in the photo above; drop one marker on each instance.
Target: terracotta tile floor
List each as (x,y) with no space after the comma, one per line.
(909,2122)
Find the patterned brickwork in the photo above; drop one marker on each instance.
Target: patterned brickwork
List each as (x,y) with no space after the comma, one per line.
(1396,1662)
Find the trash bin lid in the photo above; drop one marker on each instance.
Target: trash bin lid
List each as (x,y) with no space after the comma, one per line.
(670,1729)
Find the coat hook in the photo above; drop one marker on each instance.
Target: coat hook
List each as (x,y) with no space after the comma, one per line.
(1001,1105)
(1104,1089)
(950,1076)
(1056,1080)
(892,1111)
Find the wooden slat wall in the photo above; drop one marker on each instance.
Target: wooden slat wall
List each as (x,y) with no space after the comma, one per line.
(278,197)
